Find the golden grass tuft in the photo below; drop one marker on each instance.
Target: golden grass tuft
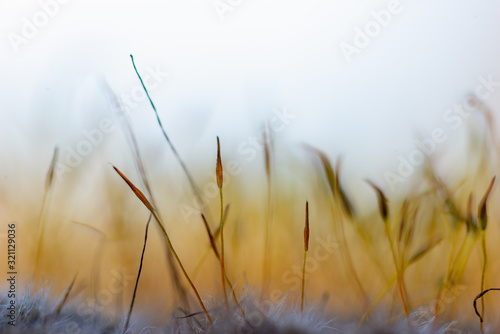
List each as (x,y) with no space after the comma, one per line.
(384,213)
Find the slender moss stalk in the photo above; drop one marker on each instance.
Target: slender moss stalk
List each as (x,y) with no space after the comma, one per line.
(483,272)
(457,269)
(266,270)
(49,181)
(483,220)
(222,258)
(398,271)
(419,254)
(306,248)
(215,235)
(217,255)
(220,181)
(183,269)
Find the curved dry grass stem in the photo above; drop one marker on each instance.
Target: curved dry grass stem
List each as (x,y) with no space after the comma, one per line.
(148,205)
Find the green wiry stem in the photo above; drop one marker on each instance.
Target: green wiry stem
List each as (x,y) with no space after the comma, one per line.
(192,183)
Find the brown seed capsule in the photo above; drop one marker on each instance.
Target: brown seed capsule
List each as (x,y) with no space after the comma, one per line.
(382,202)
(51,172)
(346,203)
(470,220)
(327,166)
(402,225)
(218,169)
(136,191)
(267,151)
(483,218)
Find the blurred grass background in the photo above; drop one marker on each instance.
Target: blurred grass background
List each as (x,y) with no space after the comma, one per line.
(94,228)
(225,78)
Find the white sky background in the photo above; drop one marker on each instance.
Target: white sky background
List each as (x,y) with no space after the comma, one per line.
(226,76)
